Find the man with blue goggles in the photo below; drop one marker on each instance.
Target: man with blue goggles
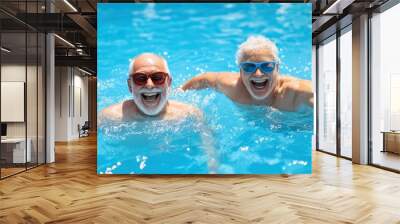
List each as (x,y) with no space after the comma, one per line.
(259,81)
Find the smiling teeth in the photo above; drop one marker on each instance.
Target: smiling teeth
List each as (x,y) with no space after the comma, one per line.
(259,81)
(150,94)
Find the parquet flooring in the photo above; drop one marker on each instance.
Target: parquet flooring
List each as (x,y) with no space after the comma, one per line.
(10,171)
(69,191)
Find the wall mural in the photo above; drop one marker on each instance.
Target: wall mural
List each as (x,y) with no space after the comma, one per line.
(217,88)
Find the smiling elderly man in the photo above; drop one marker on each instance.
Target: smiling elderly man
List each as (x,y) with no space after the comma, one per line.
(149,82)
(259,81)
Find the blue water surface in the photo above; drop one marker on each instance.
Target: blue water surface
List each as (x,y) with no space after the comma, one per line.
(195,38)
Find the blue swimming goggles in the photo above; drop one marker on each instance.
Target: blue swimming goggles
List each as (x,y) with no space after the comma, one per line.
(250,67)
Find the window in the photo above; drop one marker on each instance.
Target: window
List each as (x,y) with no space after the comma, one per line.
(22,87)
(385,89)
(346,92)
(327,96)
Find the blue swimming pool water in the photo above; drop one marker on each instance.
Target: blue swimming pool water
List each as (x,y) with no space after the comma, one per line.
(195,38)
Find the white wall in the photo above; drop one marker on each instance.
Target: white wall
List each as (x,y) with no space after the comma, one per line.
(33,127)
(70,83)
(79,117)
(10,73)
(61,103)
(13,72)
(16,73)
(13,101)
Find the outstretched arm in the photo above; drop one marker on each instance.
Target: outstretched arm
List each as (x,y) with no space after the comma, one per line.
(220,81)
(227,83)
(202,81)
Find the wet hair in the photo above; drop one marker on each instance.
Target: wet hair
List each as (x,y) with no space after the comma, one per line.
(256,42)
(131,64)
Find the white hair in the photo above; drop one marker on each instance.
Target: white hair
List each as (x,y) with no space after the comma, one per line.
(132,63)
(257,42)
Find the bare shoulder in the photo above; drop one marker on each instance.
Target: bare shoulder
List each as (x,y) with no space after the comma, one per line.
(295,84)
(288,80)
(113,112)
(183,109)
(231,84)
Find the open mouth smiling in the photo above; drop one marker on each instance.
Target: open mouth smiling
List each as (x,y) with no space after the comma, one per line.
(151,98)
(259,83)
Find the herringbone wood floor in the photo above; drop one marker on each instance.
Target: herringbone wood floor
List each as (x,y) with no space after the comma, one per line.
(69,191)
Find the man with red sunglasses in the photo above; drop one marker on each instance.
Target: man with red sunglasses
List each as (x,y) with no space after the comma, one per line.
(149,82)
(259,81)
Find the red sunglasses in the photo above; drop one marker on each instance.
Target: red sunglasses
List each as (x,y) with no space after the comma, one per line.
(158,78)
